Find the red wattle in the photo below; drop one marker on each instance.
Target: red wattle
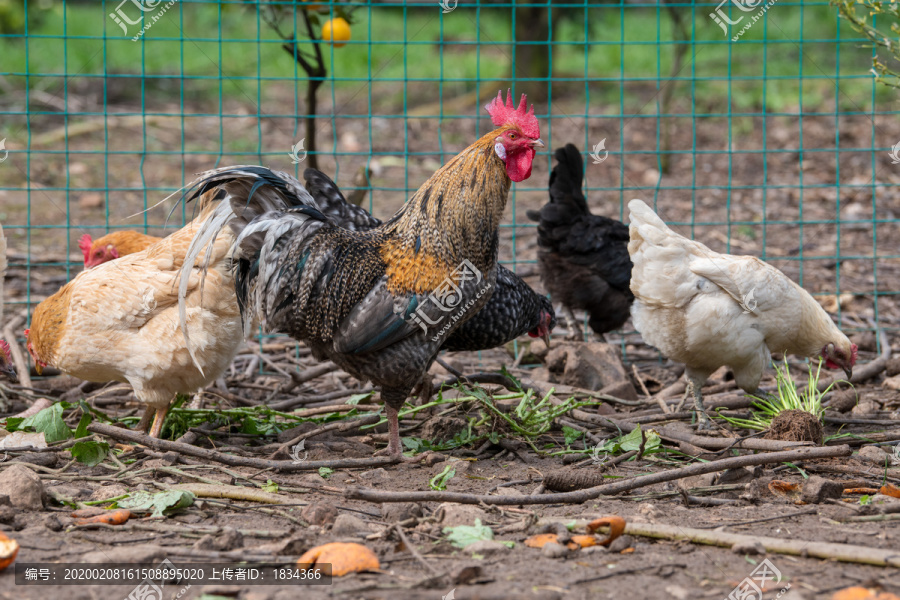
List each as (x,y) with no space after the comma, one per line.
(518,164)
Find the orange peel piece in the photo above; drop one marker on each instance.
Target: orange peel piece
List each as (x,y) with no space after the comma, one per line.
(344,558)
(110,517)
(890,490)
(616,526)
(785,489)
(577,541)
(860,490)
(861,593)
(9,548)
(540,540)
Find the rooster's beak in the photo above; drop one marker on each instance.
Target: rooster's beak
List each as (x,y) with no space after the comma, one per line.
(10,372)
(848,371)
(546,338)
(538,143)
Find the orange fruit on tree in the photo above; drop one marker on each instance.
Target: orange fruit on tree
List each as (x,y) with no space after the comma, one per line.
(336,31)
(8,550)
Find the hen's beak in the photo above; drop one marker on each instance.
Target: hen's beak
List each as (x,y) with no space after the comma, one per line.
(546,338)
(538,143)
(10,372)
(848,371)
(38,367)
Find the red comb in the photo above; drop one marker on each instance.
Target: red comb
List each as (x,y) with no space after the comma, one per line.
(505,114)
(5,347)
(85,245)
(854,350)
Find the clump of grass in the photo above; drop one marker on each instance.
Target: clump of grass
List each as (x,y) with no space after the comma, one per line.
(786,398)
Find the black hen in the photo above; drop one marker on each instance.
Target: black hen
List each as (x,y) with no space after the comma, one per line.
(512,310)
(583,257)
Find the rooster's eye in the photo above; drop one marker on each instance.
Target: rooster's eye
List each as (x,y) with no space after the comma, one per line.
(512,135)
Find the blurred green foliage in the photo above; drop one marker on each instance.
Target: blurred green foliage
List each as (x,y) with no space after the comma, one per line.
(863,15)
(12,14)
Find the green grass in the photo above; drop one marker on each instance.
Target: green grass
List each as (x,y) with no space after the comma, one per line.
(406,45)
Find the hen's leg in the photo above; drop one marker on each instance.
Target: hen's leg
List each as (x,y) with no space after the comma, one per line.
(575,331)
(702,418)
(144,423)
(158,421)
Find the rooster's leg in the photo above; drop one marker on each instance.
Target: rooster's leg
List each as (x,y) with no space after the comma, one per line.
(395,448)
(158,421)
(144,423)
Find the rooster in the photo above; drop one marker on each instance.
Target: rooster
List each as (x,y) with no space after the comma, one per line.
(7,368)
(583,258)
(513,308)
(119,321)
(113,245)
(379,303)
(709,310)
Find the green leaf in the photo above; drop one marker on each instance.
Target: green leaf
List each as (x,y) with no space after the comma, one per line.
(270,486)
(325,472)
(81,431)
(571,435)
(439,481)
(865,499)
(14,424)
(49,422)
(632,441)
(466,535)
(357,398)
(90,452)
(159,503)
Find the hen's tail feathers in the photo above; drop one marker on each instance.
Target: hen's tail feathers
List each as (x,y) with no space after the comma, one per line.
(646,224)
(249,192)
(567,202)
(333,205)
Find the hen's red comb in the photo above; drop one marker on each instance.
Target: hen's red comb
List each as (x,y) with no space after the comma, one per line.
(85,245)
(5,348)
(505,114)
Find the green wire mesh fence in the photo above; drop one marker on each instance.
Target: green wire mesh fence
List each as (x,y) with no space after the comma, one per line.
(753,126)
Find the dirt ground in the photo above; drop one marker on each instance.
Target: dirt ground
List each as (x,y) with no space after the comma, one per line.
(755,218)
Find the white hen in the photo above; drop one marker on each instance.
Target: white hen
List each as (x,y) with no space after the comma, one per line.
(708,310)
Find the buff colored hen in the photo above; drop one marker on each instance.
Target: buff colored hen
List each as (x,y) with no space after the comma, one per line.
(119,321)
(709,310)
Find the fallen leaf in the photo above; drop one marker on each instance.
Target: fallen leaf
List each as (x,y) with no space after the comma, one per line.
(8,550)
(464,535)
(158,503)
(616,527)
(860,490)
(22,439)
(627,551)
(343,557)
(890,490)
(111,517)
